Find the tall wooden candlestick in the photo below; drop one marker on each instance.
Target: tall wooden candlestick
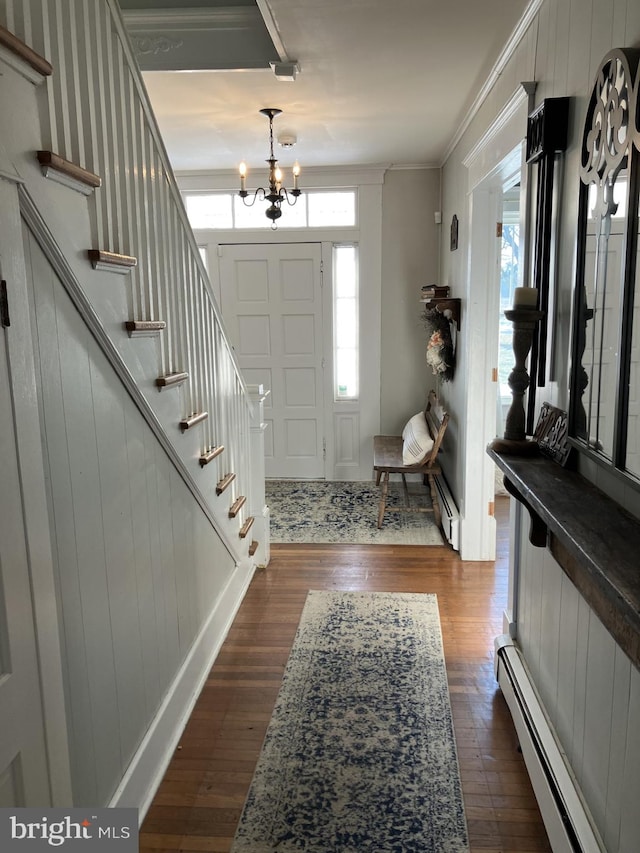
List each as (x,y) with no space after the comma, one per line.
(515,440)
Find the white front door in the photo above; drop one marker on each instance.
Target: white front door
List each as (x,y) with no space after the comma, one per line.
(272,307)
(24,774)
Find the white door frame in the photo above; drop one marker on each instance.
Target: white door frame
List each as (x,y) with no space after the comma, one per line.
(492,164)
(18,341)
(350,426)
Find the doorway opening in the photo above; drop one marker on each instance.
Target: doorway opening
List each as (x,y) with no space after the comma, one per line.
(510,272)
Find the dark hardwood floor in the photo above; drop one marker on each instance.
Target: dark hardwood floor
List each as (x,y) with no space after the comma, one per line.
(200,799)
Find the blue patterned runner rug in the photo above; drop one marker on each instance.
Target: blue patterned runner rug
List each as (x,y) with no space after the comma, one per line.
(336,511)
(359,754)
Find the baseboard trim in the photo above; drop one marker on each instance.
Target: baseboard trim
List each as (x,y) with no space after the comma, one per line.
(149,764)
(566,817)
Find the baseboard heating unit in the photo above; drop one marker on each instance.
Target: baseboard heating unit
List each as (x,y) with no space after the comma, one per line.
(565,815)
(450,515)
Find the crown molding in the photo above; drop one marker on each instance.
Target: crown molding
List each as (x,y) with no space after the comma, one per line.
(505,55)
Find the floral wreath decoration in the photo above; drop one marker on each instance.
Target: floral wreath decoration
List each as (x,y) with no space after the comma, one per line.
(440,350)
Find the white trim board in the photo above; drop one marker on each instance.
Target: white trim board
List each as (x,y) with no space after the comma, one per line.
(149,764)
(507,52)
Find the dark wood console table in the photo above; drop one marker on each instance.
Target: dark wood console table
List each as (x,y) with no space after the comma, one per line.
(595,541)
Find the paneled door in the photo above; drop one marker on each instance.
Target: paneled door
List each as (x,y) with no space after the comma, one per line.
(272,308)
(24,772)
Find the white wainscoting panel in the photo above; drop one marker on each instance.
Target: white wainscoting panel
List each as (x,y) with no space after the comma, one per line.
(139,568)
(347,439)
(590,691)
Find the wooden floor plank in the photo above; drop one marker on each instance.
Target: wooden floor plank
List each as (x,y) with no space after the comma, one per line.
(200,800)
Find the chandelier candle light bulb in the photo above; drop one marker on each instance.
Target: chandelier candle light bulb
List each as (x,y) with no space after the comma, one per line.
(243,176)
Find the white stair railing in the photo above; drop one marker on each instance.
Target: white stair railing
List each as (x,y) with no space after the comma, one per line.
(98,117)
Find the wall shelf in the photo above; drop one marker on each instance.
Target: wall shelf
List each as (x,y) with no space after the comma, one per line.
(444,305)
(594,539)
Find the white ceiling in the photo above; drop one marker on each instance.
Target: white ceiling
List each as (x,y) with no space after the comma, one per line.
(381,82)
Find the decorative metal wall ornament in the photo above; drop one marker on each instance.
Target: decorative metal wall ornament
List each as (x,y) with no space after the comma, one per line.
(276,193)
(546,140)
(552,433)
(607,283)
(453,245)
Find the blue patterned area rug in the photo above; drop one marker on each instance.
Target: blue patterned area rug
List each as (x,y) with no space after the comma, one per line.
(347,512)
(359,754)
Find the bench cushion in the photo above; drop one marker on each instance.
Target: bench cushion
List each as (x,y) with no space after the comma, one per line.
(416,440)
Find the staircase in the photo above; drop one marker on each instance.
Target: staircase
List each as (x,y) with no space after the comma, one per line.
(101,140)
(97,195)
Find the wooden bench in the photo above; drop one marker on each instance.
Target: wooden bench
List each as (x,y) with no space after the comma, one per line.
(387,459)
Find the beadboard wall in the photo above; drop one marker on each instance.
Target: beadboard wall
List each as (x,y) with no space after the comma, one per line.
(590,690)
(141,573)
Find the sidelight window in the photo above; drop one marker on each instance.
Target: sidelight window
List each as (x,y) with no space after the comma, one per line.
(345,321)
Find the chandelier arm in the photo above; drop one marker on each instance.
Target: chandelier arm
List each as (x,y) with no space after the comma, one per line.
(285,194)
(244,194)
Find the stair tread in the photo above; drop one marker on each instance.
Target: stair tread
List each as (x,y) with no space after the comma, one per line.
(144,327)
(224,483)
(192,420)
(246,527)
(236,506)
(19,48)
(111,261)
(171,379)
(211,454)
(51,160)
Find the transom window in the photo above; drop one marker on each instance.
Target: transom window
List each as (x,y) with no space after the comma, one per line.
(313,209)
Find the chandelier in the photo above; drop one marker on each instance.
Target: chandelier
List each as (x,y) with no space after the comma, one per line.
(276,194)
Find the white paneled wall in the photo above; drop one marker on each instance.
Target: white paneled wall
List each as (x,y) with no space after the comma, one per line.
(589,688)
(139,566)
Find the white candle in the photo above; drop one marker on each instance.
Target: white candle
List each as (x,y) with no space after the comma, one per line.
(525,297)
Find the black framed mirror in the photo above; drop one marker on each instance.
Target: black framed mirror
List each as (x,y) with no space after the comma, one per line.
(605,375)
(546,143)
